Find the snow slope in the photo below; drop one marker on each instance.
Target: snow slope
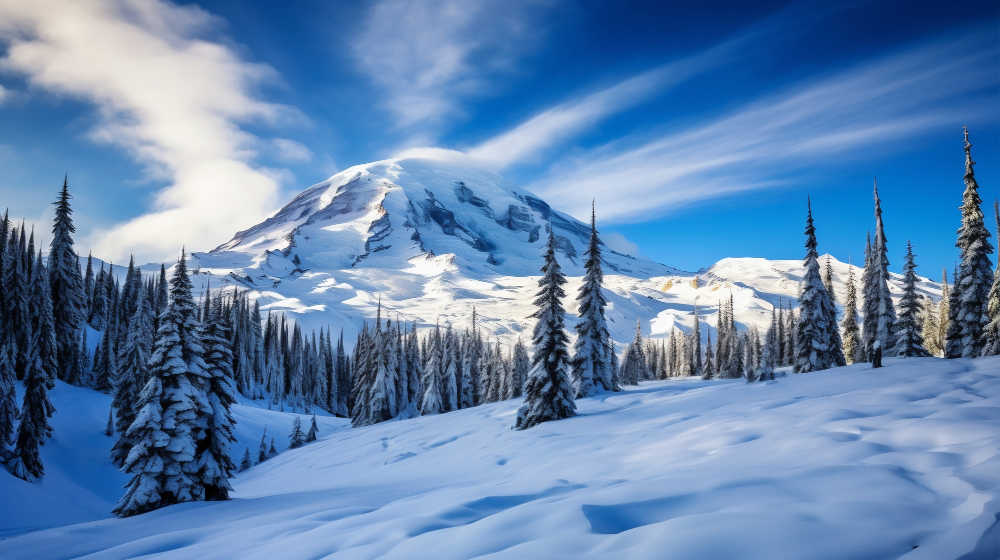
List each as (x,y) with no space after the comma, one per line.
(903,462)
(431,239)
(81,484)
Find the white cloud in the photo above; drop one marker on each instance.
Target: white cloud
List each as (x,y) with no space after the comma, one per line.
(870,106)
(4,94)
(170,96)
(290,151)
(619,243)
(428,54)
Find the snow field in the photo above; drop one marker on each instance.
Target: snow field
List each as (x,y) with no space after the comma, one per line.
(845,463)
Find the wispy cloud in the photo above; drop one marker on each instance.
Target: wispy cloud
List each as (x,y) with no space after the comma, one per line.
(169,95)
(871,105)
(427,55)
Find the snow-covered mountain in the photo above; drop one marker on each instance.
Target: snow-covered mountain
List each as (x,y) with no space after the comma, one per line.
(430,240)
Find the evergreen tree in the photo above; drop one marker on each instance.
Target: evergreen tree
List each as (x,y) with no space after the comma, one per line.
(696,364)
(296,439)
(991,335)
(590,362)
(262,454)
(634,366)
(8,405)
(709,370)
(929,327)
(170,425)
(880,315)
(132,376)
(520,367)
(909,340)
(472,357)
(814,350)
(313,433)
(953,335)
(247,462)
(449,372)
(548,394)
(852,334)
(26,463)
(943,313)
(109,428)
(431,402)
(765,372)
(42,322)
(212,458)
(66,284)
(836,341)
(975,268)
(272,451)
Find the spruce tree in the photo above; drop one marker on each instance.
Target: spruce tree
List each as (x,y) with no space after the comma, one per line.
(449,372)
(8,402)
(765,372)
(172,410)
(215,466)
(836,341)
(696,364)
(975,268)
(272,451)
(991,335)
(909,340)
(43,325)
(520,367)
(880,314)
(262,454)
(472,357)
(26,462)
(109,428)
(590,362)
(943,312)
(431,401)
(247,462)
(548,394)
(930,327)
(296,439)
(132,376)
(953,335)
(852,334)
(814,332)
(709,370)
(313,433)
(66,284)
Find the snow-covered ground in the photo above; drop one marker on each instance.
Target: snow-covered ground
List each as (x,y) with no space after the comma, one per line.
(901,462)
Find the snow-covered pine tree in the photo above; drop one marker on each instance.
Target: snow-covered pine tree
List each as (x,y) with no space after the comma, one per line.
(257,334)
(548,394)
(431,400)
(836,342)
(296,439)
(929,327)
(66,283)
(173,407)
(953,335)
(708,372)
(991,334)
(975,267)
(880,315)
(449,372)
(15,316)
(909,340)
(364,378)
(852,334)
(471,358)
(105,358)
(696,363)
(590,361)
(943,312)
(635,366)
(382,394)
(313,432)
(26,462)
(780,335)
(109,428)
(215,468)
(262,450)
(616,380)
(272,451)
(814,349)
(402,373)
(8,403)
(133,373)
(415,368)
(247,462)
(765,372)
(42,322)
(520,366)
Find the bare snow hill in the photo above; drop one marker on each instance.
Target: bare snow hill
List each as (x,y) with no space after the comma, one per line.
(430,240)
(900,463)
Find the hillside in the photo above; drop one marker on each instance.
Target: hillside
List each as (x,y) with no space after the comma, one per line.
(846,463)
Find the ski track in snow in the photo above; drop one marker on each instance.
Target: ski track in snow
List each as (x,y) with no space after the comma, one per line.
(845,463)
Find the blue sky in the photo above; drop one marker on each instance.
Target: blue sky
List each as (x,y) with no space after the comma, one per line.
(700,128)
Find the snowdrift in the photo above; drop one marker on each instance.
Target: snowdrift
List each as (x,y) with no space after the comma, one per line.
(901,462)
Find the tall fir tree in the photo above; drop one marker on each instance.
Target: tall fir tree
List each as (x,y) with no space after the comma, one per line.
(943,312)
(431,400)
(814,350)
(880,314)
(215,467)
(953,334)
(66,283)
(908,335)
(262,450)
(133,374)
(34,429)
(296,439)
(975,267)
(590,361)
(548,394)
(991,335)
(849,324)
(43,323)
(170,426)
(836,341)
(520,367)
